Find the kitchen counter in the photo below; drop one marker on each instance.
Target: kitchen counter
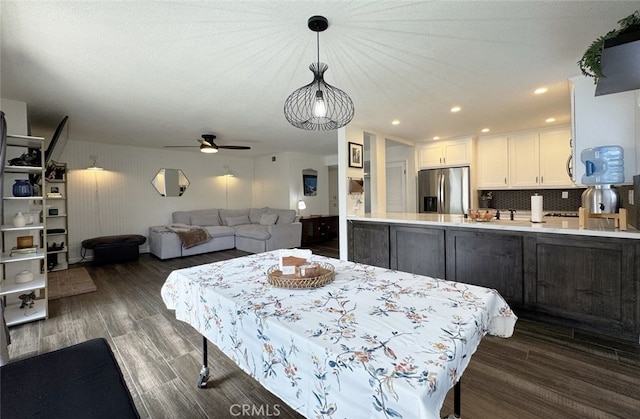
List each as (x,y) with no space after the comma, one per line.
(560,225)
(586,279)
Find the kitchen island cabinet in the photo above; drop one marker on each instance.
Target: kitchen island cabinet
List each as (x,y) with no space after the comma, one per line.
(369,243)
(592,282)
(589,280)
(487,258)
(418,250)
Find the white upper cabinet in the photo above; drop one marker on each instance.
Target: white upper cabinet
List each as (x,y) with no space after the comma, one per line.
(555,152)
(524,159)
(445,153)
(492,159)
(602,120)
(533,159)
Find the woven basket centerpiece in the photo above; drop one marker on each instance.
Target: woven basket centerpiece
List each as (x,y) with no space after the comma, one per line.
(310,275)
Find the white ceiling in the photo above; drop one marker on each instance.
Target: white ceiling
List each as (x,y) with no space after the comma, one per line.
(157,73)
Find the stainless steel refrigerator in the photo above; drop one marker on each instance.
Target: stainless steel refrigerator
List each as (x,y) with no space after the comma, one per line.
(444,191)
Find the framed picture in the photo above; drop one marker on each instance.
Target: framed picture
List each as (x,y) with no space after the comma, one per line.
(54,189)
(355,155)
(310,183)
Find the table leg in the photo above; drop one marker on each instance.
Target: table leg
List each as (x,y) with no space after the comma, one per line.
(456,399)
(204,372)
(456,402)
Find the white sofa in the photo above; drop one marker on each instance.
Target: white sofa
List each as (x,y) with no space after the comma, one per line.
(252,230)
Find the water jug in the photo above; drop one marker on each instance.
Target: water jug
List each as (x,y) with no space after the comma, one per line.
(22,188)
(604,165)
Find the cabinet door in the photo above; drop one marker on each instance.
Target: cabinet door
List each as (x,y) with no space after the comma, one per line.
(524,160)
(456,152)
(555,149)
(589,280)
(493,162)
(430,155)
(368,243)
(489,259)
(418,250)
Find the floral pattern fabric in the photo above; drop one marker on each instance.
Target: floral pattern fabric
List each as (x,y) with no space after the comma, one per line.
(374,343)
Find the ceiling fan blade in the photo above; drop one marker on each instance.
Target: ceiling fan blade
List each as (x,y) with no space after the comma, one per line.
(234,147)
(181,146)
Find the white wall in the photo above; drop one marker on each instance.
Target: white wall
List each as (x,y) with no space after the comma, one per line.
(317,204)
(121,199)
(280,181)
(15,114)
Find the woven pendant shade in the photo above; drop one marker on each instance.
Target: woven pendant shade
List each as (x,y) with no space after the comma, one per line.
(318,105)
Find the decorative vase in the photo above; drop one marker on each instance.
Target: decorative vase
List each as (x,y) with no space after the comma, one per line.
(22,187)
(19,220)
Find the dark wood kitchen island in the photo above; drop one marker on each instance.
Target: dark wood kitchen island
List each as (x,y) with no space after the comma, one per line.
(588,279)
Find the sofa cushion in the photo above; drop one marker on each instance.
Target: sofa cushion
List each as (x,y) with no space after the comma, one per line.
(181,217)
(253,231)
(285,216)
(205,219)
(255,214)
(220,231)
(226,213)
(268,219)
(234,221)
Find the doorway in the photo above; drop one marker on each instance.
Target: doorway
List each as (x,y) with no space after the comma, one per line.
(396,176)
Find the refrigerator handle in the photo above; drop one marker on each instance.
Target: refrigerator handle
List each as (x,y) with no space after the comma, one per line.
(441,196)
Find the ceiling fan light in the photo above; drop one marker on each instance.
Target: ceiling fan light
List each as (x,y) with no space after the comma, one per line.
(204,148)
(318,105)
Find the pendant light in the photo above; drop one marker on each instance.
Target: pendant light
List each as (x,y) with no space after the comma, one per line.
(318,105)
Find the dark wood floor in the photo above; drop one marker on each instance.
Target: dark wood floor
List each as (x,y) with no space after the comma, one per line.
(541,372)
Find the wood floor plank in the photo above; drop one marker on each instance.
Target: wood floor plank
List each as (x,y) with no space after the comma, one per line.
(143,361)
(171,400)
(161,332)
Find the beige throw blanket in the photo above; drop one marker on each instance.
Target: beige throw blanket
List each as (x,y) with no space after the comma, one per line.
(190,235)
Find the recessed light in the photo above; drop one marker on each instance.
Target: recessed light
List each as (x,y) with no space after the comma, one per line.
(395,122)
(436,138)
(550,120)
(485,130)
(456,109)
(540,90)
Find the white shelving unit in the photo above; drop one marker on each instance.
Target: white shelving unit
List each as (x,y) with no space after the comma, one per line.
(35,262)
(57,225)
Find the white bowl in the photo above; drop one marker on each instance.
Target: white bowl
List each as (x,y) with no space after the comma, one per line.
(24,276)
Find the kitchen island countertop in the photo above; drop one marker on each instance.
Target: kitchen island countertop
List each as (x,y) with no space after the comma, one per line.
(559,225)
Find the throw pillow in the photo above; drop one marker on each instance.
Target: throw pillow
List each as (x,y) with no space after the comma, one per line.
(234,221)
(268,219)
(205,220)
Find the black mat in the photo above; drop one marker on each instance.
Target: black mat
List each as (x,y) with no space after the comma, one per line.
(81,381)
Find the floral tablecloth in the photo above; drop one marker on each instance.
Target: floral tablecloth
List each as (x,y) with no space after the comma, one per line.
(375,343)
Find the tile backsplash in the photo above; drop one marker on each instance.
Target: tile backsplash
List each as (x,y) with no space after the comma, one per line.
(520,199)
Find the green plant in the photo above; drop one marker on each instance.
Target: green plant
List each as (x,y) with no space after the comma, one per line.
(590,63)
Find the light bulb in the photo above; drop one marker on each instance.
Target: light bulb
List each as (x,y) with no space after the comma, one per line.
(319,107)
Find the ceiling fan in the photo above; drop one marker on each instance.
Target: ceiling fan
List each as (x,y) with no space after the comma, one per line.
(207,145)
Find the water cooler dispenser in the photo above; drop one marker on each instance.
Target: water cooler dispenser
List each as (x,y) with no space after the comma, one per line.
(604,168)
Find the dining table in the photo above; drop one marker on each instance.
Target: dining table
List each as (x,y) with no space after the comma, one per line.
(371,342)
